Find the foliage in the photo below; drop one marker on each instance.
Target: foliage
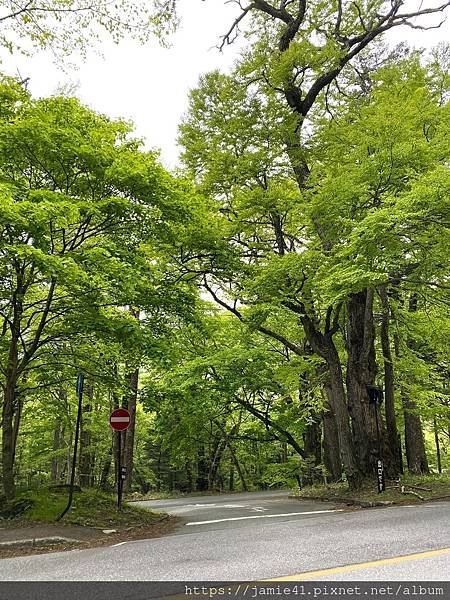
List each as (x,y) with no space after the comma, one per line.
(66,27)
(245,304)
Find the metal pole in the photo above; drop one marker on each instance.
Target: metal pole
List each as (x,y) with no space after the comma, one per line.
(380,469)
(119,470)
(80,382)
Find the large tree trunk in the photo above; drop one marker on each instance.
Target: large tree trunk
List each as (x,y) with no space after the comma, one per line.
(8,437)
(361,372)
(331,452)
(323,345)
(394,467)
(340,411)
(416,455)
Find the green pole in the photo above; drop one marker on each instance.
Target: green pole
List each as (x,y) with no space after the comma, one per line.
(79,388)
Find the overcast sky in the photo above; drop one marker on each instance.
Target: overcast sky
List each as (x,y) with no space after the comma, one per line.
(149,84)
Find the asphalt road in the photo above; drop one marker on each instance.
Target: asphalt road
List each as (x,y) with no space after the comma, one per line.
(212,513)
(283,538)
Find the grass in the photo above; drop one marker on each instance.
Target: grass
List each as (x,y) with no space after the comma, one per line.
(438,486)
(91,508)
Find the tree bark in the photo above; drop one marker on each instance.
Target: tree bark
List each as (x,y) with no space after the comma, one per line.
(238,467)
(9,401)
(331,452)
(7,437)
(323,345)
(416,456)
(361,372)
(394,468)
(85,464)
(340,411)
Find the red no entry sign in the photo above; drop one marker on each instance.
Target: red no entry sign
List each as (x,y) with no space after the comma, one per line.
(119,419)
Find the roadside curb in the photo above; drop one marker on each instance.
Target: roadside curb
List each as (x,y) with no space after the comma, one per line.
(41,541)
(370,504)
(348,501)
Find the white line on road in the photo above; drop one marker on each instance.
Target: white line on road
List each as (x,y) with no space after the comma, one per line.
(292,514)
(119,544)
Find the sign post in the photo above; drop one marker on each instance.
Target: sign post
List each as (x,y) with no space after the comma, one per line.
(120,420)
(79,391)
(380,476)
(376,399)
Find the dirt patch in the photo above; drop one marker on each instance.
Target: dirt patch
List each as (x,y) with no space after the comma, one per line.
(86,537)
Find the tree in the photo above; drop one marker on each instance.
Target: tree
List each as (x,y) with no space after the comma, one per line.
(363,160)
(78,198)
(65,26)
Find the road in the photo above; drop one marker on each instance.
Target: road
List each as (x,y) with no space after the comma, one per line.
(213,513)
(264,536)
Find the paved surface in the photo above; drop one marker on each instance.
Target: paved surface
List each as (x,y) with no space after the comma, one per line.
(263,548)
(212,513)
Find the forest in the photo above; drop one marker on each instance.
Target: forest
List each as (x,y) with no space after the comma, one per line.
(275,312)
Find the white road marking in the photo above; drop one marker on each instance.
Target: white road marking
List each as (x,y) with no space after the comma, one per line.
(198,505)
(259,509)
(119,544)
(292,514)
(213,505)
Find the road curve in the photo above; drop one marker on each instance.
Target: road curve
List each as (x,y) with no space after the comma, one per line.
(262,548)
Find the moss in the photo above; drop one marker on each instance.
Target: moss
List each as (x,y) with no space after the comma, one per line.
(89,508)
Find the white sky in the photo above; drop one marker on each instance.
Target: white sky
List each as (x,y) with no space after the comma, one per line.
(149,84)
